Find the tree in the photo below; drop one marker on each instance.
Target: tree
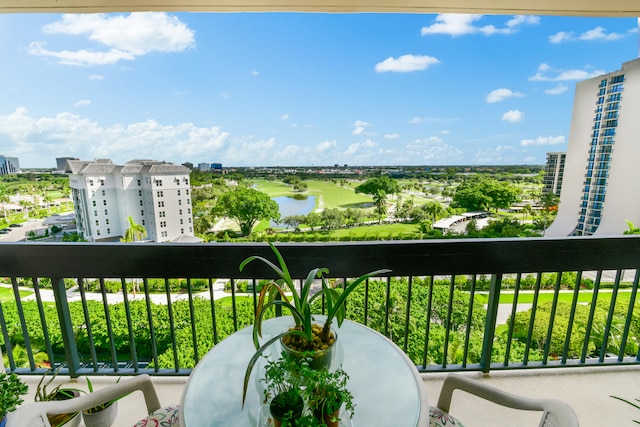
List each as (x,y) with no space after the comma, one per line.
(293,221)
(374,185)
(332,218)
(478,192)
(549,202)
(435,210)
(313,220)
(247,206)
(526,210)
(135,232)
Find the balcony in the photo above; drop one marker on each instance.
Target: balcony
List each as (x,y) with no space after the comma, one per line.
(500,279)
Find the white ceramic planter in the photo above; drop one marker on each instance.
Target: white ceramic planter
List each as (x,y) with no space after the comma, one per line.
(103,418)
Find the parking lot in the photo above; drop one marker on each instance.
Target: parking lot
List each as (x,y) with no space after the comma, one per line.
(18,234)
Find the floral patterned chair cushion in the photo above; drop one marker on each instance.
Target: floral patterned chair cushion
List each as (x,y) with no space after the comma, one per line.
(163,417)
(437,418)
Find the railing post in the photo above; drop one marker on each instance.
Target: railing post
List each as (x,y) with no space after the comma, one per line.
(66,327)
(490,324)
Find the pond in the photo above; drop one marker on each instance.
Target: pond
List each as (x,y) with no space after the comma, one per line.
(288,205)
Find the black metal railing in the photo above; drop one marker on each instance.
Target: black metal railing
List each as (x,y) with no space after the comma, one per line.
(465,304)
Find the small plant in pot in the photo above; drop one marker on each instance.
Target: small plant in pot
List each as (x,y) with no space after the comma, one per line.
(305,338)
(11,388)
(282,380)
(44,394)
(326,393)
(102,415)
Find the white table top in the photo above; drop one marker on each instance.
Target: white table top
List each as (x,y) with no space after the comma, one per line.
(386,386)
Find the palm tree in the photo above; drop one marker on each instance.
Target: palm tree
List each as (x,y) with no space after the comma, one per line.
(435,209)
(4,200)
(135,232)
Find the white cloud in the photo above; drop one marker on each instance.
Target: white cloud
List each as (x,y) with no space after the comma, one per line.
(96,77)
(255,73)
(596,34)
(121,37)
(391,136)
(461,24)
(432,150)
(502,154)
(406,63)
(556,90)
(498,95)
(225,95)
(39,139)
(541,75)
(360,127)
(362,148)
(326,145)
(445,132)
(82,103)
(284,117)
(543,140)
(513,116)
(416,120)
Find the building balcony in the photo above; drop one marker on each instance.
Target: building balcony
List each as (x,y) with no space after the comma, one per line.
(540,317)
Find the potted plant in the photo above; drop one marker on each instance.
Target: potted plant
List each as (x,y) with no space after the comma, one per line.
(43,394)
(102,415)
(307,338)
(11,388)
(326,393)
(282,380)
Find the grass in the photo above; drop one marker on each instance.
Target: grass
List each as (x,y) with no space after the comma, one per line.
(6,294)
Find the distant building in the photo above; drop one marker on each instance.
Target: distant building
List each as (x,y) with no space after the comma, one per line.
(600,189)
(188,165)
(204,167)
(9,165)
(216,167)
(61,163)
(155,194)
(553,173)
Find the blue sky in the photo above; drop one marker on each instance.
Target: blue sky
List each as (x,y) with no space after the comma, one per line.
(283,89)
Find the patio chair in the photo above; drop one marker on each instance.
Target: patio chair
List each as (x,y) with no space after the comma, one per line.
(555,413)
(35,414)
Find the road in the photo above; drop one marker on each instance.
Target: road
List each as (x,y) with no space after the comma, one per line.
(19,234)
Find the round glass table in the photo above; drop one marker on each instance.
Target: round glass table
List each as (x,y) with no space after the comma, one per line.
(386,386)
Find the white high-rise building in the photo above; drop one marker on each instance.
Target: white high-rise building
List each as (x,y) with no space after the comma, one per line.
(600,190)
(9,165)
(554,173)
(155,194)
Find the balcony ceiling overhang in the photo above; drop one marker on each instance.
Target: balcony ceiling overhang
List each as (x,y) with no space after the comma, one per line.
(629,8)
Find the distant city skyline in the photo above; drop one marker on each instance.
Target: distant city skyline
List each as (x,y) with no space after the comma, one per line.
(287,89)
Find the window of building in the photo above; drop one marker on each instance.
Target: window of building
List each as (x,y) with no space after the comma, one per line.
(104,193)
(93,203)
(143,222)
(182,231)
(98,232)
(179,211)
(187,191)
(107,220)
(102,182)
(181,221)
(160,194)
(141,203)
(161,204)
(189,220)
(108,231)
(179,202)
(97,222)
(189,211)
(95,213)
(142,213)
(139,184)
(104,203)
(90,182)
(106,212)
(178,192)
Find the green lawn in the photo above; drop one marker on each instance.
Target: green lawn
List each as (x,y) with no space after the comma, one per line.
(6,294)
(329,195)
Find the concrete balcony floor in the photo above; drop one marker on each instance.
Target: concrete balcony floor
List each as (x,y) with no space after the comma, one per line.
(586,389)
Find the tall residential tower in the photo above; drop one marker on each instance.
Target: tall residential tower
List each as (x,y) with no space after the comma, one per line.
(155,194)
(600,190)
